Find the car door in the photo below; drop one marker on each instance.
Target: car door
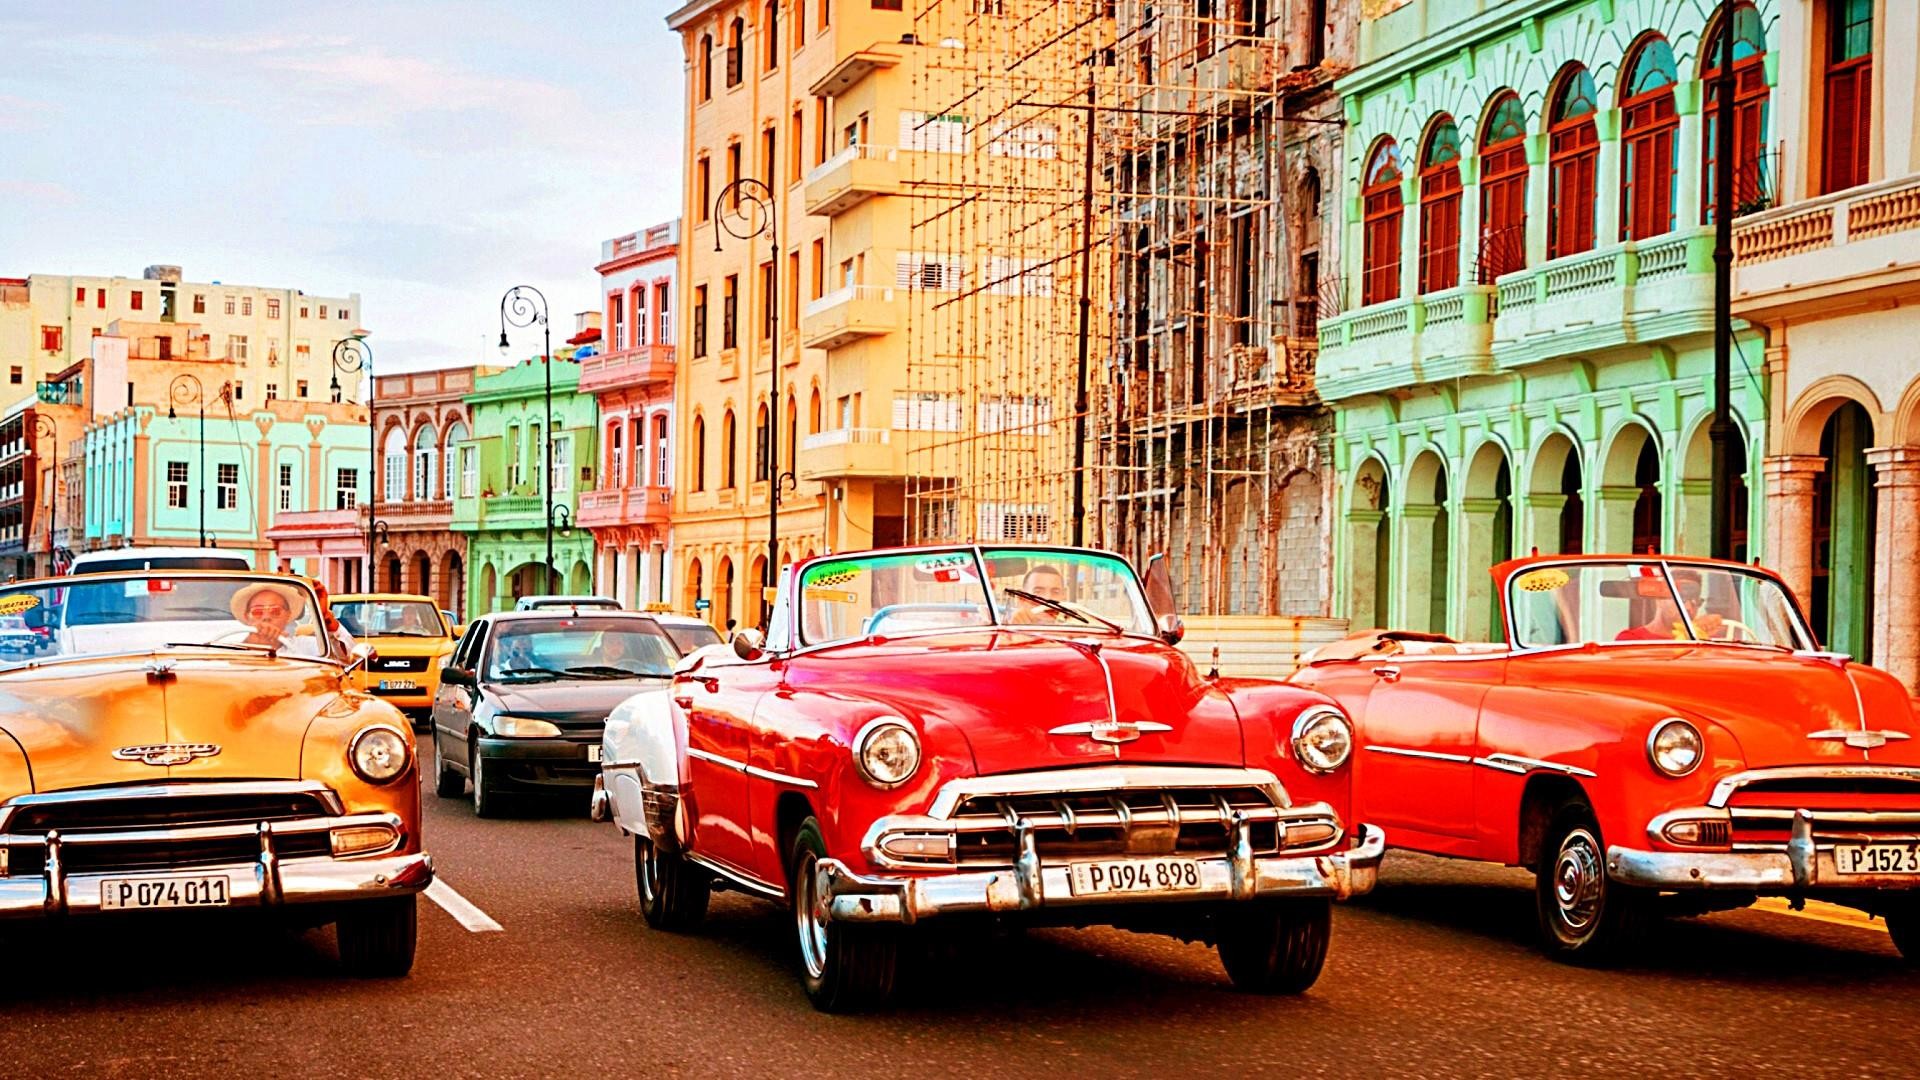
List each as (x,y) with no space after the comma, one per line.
(717,695)
(453,704)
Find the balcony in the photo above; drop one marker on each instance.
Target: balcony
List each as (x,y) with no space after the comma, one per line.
(850,453)
(1798,259)
(648,505)
(415,514)
(851,177)
(514,511)
(648,365)
(849,314)
(1629,292)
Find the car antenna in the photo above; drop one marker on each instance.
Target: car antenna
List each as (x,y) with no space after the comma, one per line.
(1214,671)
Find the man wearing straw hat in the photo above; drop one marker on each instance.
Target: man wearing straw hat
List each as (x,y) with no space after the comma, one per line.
(267,609)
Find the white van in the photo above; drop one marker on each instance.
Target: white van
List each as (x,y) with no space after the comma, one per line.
(158,558)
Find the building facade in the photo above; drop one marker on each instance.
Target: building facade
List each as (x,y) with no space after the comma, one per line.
(631,376)
(1830,277)
(422,418)
(501,489)
(1525,357)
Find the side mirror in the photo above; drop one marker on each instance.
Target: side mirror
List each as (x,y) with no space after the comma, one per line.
(1158,583)
(360,656)
(748,644)
(456,676)
(1172,630)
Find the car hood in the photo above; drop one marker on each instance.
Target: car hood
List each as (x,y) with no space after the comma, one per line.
(408,646)
(1770,702)
(1006,691)
(70,717)
(567,700)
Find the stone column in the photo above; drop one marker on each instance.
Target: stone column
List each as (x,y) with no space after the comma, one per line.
(1896,614)
(1790,480)
(1606,179)
(1540,523)
(1693,524)
(1414,585)
(622,575)
(1474,614)
(1364,591)
(1614,510)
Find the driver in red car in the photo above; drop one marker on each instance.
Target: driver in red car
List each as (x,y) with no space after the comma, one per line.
(1045,582)
(1666,624)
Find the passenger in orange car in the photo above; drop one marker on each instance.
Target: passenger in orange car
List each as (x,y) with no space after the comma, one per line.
(267,610)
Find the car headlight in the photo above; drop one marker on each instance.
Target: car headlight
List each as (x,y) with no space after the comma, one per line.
(524,727)
(1322,739)
(887,751)
(1675,747)
(378,754)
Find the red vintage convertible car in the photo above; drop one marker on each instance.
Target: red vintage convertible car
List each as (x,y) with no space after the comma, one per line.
(960,736)
(1656,734)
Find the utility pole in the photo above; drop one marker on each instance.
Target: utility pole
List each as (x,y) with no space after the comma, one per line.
(1080,403)
(1721,431)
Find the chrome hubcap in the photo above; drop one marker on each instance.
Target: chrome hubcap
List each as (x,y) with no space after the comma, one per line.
(809,913)
(649,872)
(1578,881)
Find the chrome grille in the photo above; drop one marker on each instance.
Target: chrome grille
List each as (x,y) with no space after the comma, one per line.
(1851,804)
(109,812)
(1080,824)
(164,826)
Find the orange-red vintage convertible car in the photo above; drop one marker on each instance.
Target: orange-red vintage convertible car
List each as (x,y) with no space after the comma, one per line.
(974,735)
(1655,733)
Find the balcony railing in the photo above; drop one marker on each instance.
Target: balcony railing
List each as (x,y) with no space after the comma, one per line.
(1843,218)
(848,314)
(648,505)
(844,452)
(627,368)
(851,177)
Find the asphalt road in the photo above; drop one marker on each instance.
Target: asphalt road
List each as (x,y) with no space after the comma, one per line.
(1434,975)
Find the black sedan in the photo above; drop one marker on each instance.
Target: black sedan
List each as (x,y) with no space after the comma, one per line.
(524,696)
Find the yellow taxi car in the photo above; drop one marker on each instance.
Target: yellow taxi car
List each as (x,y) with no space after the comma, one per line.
(190,740)
(409,637)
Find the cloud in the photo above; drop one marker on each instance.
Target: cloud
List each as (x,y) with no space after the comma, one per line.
(43,192)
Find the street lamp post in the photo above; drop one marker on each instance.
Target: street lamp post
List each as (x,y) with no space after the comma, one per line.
(1721,431)
(186,388)
(45,427)
(350,354)
(524,305)
(756,212)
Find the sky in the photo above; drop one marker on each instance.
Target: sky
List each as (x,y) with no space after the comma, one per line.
(427,154)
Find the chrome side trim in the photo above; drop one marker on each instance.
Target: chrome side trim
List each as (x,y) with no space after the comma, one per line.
(716,759)
(1723,791)
(328,798)
(736,878)
(1518,765)
(1104,778)
(1401,751)
(779,778)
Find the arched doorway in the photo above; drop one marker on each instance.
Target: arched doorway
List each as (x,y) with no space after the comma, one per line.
(529,579)
(693,586)
(755,607)
(1844,521)
(723,616)
(451,591)
(1486,538)
(423,573)
(391,577)
(1369,546)
(1695,495)
(1426,533)
(489,588)
(1632,509)
(580,579)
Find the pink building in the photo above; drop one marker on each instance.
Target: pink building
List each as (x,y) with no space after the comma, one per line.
(631,374)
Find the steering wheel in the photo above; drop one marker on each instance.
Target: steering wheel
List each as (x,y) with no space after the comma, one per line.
(1734,630)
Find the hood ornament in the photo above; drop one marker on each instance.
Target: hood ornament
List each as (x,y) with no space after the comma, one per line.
(161,754)
(1112,732)
(1860,740)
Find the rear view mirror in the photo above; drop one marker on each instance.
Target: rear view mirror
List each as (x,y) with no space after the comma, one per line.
(1159,584)
(748,644)
(1172,630)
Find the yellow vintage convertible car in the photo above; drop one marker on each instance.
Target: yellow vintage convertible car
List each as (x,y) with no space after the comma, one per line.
(192,740)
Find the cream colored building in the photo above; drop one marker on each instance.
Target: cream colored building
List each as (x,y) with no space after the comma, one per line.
(927,291)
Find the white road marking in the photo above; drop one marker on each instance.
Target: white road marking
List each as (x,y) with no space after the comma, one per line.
(1819,911)
(461,908)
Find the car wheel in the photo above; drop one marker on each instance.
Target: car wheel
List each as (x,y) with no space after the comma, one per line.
(844,967)
(1904,924)
(1585,918)
(376,937)
(1276,948)
(673,890)
(447,781)
(487,800)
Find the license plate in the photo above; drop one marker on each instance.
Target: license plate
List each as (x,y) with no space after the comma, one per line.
(1877,858)
(139,894)
(399,684)
(593,752)
(1135,876)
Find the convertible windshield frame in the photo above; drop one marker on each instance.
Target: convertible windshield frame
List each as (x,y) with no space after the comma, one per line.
(1667,567)
(979,560)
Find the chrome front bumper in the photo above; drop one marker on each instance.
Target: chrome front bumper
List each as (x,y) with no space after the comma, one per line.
(1029,885)
(1805,863)
(266,880)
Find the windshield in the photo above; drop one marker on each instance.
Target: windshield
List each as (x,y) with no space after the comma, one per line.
(1576,603)
(389,618)
(138,613)
(688,637)
(860,596)
(160,562)
(583,648)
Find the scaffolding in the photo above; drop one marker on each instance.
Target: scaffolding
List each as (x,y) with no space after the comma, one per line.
(1122,212)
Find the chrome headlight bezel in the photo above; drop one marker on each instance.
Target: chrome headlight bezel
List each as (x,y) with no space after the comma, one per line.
(361,741)
(865,741)
(508,726)
(1656,750)
(1307,753)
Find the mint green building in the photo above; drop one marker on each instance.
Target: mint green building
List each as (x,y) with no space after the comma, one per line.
(1526,354)
(499,498)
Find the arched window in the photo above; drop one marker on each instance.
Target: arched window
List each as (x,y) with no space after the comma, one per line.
(792,420)
(705,64)
(1440,207)
(1751,184)
(393,480)
(1380,279)
(736,35)
(760,447)
(425,441)
(616,455)
(729,447)
(1648,122)
(770,35)
(1847,135)
(449,459)
(1503,188)
(1573,144)
(699,453)
(813,413)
